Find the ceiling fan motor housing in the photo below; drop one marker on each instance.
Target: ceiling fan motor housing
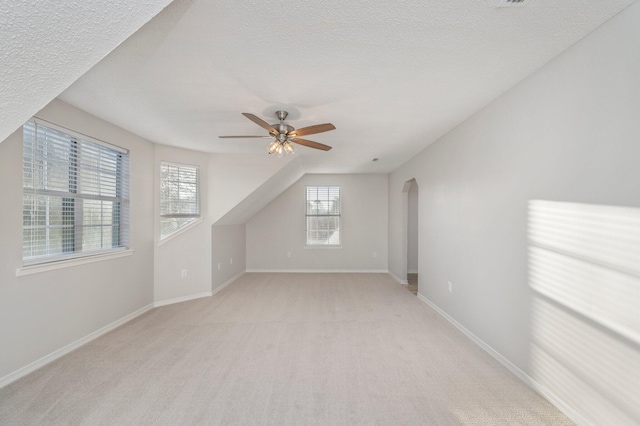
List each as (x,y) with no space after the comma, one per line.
(283,129)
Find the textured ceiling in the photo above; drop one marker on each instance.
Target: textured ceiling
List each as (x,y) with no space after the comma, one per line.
(45,45)
(392,77)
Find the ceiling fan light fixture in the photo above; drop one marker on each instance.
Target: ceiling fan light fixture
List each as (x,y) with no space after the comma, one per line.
(281,148)
(273,147)
(288,148)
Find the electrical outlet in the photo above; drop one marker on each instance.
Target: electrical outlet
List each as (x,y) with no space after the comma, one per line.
(231,261)
(219,265)
(288,254)
(450,287)
(375,254)
(183,273)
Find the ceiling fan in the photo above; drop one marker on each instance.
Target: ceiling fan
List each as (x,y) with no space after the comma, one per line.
(284,134)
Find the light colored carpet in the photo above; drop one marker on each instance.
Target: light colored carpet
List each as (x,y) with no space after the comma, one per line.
(281,349)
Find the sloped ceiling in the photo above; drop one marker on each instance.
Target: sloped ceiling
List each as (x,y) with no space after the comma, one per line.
(392,76)
(45,45)
(264,194)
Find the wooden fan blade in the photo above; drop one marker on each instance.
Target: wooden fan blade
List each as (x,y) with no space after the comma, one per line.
(243,137)
(260,122)
(310,144)
(318,128)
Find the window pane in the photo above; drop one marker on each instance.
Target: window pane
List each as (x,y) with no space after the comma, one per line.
(75,196)
(323,206)
(179,196)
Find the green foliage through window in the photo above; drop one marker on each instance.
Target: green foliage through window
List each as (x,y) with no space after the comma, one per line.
(179,196)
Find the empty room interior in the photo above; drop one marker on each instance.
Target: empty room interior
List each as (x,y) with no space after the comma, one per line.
(219,212)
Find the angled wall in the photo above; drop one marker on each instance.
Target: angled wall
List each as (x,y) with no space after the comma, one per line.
(267,188)
(531,210)
(187,249)
(228,253)
(233,188)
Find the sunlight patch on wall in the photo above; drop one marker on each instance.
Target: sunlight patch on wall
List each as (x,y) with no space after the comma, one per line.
(595,373)
(584,269)
(590,289)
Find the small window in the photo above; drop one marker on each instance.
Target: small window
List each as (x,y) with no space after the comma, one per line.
(75,195)
(179,196)
(323,213)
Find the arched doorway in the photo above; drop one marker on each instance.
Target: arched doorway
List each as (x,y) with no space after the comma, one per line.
(410,240)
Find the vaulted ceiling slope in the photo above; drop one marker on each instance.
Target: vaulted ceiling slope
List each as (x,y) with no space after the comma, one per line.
(45,45)
(392,77)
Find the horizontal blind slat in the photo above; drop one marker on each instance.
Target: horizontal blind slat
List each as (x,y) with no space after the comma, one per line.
(75,195)
(179,196)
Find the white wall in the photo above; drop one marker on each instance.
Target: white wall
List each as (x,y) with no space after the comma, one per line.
(412,229)
(188,249)
(233,177)
(556,310)
(280,228)
(228,253)
(44,312)
(226,182)
(266,192)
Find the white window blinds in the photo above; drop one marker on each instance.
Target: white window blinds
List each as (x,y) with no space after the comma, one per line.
(75,195)
(179,196)
(323,211)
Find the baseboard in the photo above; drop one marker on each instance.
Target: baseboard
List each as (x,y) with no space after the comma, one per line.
(524,377)
(226,283)
(181,299)
(197,295)
(397,278)
(412,271)
(322,271)
(12,377)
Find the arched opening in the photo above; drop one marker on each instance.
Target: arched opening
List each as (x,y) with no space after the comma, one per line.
(410,237)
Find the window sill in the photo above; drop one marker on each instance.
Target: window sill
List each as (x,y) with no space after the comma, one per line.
(179,231)
(44,267)
(323,247)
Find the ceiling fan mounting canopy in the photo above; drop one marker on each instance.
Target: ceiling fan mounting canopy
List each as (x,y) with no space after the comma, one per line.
(284,134)
(282,115)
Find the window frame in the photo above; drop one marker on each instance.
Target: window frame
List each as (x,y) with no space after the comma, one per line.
(337,245)
(74,197)
(195,217)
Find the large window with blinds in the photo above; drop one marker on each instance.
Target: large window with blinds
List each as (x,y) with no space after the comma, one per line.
(75,195)
(179,196)
(323,211)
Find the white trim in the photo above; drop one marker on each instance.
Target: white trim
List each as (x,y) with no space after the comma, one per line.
(397,278)
(181,299)
(59,264)
(21,372)
(179,231)
(197,295)
(412,271)
(226,283)
(528,380)
(323,271)
(323,246)
(76,134)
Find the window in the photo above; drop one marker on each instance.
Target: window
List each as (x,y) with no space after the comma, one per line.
(75,195)
(323,215)
(179,196)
